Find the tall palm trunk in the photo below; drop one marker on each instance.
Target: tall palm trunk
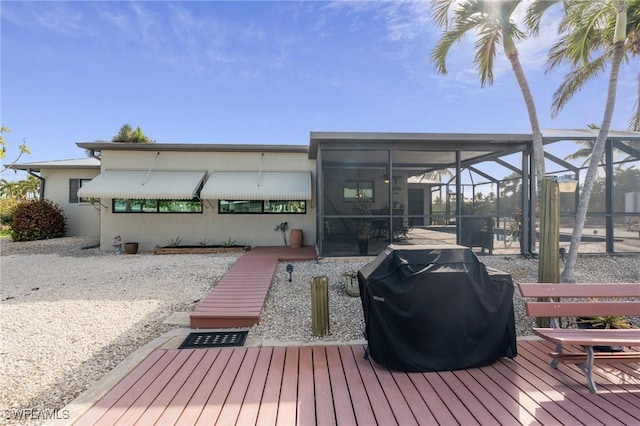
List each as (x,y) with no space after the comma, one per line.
(598,150)
(635,121)
(538,149)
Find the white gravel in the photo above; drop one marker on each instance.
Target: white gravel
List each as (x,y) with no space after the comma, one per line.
(69,315)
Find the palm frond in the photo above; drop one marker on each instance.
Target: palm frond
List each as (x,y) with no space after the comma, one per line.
(486,54)
(535,12)
(439,53)
(440,12)
(575,80)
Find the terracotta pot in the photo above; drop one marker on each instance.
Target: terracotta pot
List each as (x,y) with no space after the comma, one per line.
(295,238)
(131,248)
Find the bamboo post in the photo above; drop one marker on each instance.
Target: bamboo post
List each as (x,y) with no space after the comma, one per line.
(548,266)
(320,306)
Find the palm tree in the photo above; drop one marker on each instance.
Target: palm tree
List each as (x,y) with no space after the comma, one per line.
(493,23)
(586,150)
(588,145)
(12,190)
(604,27)
(435,175)
(127,134)
(4,190)
(30,187)
(634,123)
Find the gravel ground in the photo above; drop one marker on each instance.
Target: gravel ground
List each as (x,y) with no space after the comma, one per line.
(68,315)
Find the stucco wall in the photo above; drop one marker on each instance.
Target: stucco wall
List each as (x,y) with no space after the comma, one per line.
(83,219)
(152,230)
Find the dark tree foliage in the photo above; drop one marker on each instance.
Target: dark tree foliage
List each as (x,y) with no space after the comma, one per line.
(38,220)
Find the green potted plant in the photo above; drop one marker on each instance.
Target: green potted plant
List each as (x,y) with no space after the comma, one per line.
(610,322)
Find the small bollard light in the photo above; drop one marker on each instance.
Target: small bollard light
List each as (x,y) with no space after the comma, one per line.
(563,252)
(289,270)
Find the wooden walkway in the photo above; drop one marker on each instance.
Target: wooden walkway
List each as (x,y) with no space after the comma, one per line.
(236,301)
(327,385)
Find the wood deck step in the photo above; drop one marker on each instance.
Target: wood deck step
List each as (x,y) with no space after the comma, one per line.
(237,300)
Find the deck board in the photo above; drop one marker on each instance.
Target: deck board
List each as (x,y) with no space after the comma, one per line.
(320,385)
(201,393)
(325,412)
(306,414)
(287,403)
(237,299)
(438,409)
(357,391)
(248,412)
(340,392)
(268,406)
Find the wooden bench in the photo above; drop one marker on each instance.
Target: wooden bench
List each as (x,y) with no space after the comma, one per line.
(550,304)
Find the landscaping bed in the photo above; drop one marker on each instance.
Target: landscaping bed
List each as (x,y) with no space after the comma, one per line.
(201,249)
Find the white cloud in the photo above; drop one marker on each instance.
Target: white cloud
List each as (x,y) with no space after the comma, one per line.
(56,16)
(409,25)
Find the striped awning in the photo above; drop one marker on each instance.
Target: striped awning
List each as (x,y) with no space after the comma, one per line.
(142,184)
(279,186)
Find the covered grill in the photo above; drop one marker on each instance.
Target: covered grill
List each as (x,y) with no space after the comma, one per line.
(436,308)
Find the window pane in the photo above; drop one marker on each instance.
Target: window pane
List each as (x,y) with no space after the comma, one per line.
(358,190)
(258,206)
(121,205)
(82,183)
(230,206)
(180,206)
(285,207)
(149,206)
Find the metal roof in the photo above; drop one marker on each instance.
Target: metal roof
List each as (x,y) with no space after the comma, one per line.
(190,147)
(266,185)
(495,142)
(143,184)
(555,135)
(80,163)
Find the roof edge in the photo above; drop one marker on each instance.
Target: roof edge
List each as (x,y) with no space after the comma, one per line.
(191,147)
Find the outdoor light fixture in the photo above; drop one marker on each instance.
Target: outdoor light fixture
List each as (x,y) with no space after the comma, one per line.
(289,270)
(386,178)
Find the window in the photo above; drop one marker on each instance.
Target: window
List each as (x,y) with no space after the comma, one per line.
(74,186)
(257,206)
(358,190)
(122,205)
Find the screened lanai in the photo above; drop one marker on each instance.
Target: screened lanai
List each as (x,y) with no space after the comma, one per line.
(374,189)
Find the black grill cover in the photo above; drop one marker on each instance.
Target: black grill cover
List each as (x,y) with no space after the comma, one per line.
(436,308)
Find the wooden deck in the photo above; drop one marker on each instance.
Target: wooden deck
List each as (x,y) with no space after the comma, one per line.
(236,301)
(326,385)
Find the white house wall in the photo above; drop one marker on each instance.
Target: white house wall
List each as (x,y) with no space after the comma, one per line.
(156,229)
(83,219)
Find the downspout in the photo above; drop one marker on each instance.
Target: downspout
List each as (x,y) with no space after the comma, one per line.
(92,154)
(42,182)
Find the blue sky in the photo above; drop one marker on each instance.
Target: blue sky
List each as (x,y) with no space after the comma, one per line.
(259,73)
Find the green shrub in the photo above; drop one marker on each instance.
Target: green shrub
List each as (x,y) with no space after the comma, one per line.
(38,220)
(5,218)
